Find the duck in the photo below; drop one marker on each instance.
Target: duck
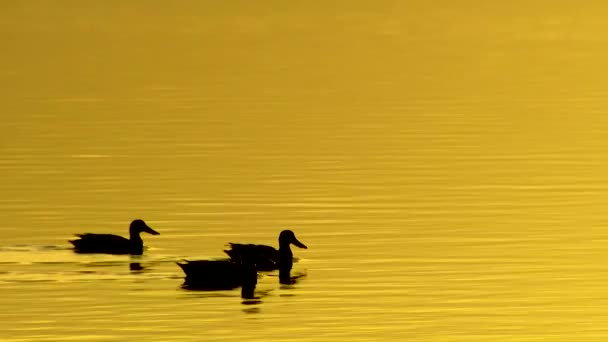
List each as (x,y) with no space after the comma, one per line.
(114,244)
(220,275)
(267,258)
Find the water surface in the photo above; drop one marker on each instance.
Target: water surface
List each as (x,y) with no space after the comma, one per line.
(445,163)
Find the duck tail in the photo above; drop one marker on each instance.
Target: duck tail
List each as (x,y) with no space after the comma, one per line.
(182,264)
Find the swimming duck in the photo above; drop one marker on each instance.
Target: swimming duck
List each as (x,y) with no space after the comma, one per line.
(267,258)
(220,275)
(114,244)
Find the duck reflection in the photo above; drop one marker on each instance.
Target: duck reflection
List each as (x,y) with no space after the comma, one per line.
(136,267)
(253,310)
(286,278)
(257,299)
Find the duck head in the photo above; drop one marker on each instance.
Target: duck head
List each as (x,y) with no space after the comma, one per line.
(287,237)
(139,226)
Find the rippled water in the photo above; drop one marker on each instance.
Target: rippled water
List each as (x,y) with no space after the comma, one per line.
(445,163)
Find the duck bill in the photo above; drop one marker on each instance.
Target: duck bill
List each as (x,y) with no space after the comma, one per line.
(297,243)
(150,231)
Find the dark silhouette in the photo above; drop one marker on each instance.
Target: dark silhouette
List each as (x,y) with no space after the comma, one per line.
(267,258)
(241,270)
(286,278)
(220,275)
(114,244)
(249,280)
(250,310)
(136,267)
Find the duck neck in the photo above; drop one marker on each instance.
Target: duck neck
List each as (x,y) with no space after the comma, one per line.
(136,244)
(135,238)
(285,251)
(285,258)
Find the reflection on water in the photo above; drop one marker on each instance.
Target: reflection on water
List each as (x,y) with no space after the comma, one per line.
(136,267)
(290,279)
(445,161)
(253,310)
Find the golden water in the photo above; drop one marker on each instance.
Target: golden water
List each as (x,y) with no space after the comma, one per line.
(445,162)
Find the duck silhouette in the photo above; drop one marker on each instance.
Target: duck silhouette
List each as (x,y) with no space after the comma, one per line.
(267,258)
(220,275)
(114,244)
(242,267)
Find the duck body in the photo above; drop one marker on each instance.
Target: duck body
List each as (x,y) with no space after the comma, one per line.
(241,270)
(114,244)
(218,275)
(267,258)
(106,243)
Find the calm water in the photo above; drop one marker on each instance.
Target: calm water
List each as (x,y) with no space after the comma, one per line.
(445,163)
